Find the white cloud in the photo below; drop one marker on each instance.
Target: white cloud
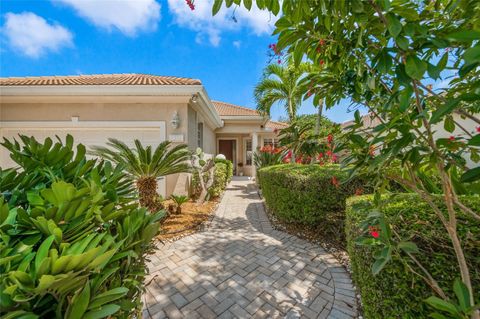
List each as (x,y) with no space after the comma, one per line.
(33,36)
(237,44)
(127,16)
(201,20)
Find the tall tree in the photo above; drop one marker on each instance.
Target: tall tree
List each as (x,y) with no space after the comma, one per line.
(281,85)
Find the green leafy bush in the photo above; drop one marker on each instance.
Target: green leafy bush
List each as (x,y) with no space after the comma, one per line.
(396,292)
(72,244)
(229,168)
(220,179)
(307,193)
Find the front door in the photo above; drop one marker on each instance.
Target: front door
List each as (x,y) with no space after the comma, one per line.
(226,148)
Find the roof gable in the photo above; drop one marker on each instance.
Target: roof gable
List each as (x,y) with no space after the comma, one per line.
(227,109)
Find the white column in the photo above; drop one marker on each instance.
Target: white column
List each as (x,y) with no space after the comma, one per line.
(254,149)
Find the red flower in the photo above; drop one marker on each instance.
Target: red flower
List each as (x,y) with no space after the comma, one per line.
(329,153)
(321,42)
(309,93)
(320,156)
(190,4)
(478,129)
(452,138)
(358,191)
(335,182)
(334,158)
(374,231)
(330,138)
(322,62)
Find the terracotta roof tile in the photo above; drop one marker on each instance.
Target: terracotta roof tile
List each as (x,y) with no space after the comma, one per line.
(227,109)
(276,125)
(99,79)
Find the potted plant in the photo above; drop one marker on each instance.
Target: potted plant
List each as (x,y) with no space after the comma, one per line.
(240,169)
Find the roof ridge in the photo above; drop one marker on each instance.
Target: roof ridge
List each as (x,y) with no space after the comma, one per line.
(235,105)
(96,75)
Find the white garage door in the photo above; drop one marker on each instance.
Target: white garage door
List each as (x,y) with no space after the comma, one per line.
(88,133)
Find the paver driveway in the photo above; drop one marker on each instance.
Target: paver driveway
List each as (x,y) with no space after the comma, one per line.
(239,267)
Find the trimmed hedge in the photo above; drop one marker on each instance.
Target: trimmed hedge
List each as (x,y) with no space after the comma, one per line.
(396,292)
(306,193)
(220,179)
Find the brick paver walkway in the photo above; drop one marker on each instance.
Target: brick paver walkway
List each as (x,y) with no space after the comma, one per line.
(239,267)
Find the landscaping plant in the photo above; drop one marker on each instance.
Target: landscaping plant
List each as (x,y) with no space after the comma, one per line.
(179,200)
(203,176)
(73,242)
(389,58)
(145,165)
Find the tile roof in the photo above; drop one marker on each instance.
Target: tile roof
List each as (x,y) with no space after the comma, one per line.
(276,125)
(227,109)
(99,79)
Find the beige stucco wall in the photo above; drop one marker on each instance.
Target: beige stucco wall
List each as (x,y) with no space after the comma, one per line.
(101,108)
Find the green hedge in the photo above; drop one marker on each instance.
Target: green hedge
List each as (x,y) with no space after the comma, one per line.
(395,292)
(220,180)
(305,193)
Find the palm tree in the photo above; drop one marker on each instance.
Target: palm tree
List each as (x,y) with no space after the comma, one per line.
(281,85)
(145,167)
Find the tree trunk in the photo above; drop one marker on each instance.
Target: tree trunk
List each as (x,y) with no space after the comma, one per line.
(147,193)
(319,117)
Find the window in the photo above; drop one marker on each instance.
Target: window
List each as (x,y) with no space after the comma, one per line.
(273,142)
(248,152)
(200,135)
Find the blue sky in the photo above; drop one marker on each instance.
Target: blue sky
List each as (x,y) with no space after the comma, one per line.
(67,37)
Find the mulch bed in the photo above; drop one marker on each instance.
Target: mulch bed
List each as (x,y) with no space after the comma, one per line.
(192,217)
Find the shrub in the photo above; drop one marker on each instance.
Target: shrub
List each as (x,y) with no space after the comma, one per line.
(71,242)
(307,193)
(220,179)
(396,292)
(222,176)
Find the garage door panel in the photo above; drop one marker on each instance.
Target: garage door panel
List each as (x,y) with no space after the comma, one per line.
(89,136)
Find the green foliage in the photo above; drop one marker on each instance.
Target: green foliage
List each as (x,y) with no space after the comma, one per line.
(220,179)
(165,159)
(268,158)
(179,200)
(281,85)
(326,126)
(396,290)
(71,244)
(307,194)
(229,168)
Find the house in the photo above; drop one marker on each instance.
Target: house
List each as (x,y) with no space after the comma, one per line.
(150,108)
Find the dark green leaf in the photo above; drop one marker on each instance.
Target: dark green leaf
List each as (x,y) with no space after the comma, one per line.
(216,6)
(415,68)
(378,265)
(394,25)
(408,247)
(449,124)
(464,36)
(471,175)
(462,294)
(474,141)
(472,55)
(442,305)
(443,110)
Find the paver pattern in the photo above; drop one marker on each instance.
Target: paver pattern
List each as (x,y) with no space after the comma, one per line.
(240,267)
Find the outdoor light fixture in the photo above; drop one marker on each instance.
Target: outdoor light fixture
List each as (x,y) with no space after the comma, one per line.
(175,120)
(195,98)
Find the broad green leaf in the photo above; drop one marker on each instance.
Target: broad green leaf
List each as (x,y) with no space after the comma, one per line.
(443,110)
(247,4)
(378,265)
(402,43)
(474,141)
(462,294)
(408,247)
(79,303)
(415,68)
(217,4)
(449,124)
(472,55)
(464,36)
(442,305)
(471,175)
(102,312)
(394,25)
(43,251)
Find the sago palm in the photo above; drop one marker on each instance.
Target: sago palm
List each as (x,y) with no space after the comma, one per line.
(145,165)
(281,85)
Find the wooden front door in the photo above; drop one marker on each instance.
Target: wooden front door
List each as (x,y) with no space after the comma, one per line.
(226,147)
